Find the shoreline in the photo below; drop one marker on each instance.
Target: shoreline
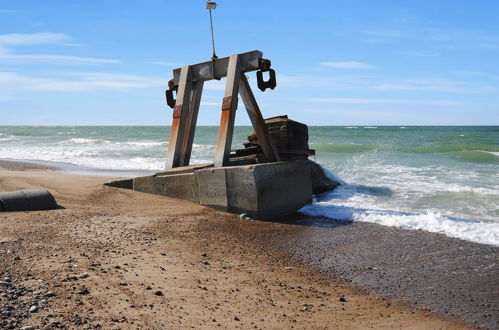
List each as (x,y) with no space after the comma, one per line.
(70,168)
(344,257)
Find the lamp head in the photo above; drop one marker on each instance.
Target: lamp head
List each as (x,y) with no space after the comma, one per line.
(211,5)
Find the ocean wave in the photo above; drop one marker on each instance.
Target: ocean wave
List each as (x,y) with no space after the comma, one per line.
(470,230)
(491,152)
(473,152)
(465,189)
(453,148)
(87,141)
(146,143)
(6,138)
(414,200)
(346,147)
(203,146)
(476,156)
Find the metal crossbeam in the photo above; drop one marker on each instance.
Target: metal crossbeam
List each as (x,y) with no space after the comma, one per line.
(217,68)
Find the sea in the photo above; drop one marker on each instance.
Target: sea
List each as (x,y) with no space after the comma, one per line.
(442,179)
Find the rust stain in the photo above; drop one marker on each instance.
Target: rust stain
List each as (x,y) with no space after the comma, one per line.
(227,103)
(177,111)
(224,123)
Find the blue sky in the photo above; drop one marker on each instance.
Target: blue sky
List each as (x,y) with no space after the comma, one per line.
(92,62)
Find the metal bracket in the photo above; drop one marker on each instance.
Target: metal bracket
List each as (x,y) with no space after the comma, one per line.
(170,100)
(263,85)
(264,66)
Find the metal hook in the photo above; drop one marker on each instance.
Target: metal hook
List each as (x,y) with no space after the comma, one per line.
(169,94)
(264,66)
(263,85)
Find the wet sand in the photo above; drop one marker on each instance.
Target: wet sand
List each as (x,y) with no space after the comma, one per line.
(116,258)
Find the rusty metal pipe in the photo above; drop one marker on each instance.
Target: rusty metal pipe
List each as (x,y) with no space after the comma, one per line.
(27,200)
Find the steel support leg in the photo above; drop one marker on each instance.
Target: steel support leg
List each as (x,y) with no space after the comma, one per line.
(264,140)
(190,125)
(180,114)
(229,107)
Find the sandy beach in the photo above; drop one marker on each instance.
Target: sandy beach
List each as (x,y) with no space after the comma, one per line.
(112,258)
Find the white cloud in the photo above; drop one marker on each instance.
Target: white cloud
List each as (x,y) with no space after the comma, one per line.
(347,65)
(13,82)
(335,82)
(16,39)
(6,56)
(172,64)
(8,41)
(434,85)
(446,103)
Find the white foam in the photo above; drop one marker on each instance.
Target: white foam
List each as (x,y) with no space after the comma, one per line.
(491,152)
(466,189)
(146,143)
(203,146)
(86,141)
(475,231)
(6,138)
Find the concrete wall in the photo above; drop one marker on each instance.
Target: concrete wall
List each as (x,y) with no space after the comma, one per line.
(263,191)
(181,186)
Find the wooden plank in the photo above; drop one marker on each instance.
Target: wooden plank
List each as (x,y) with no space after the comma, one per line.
(180,113)
(190,125)
(229,107)
(264,140)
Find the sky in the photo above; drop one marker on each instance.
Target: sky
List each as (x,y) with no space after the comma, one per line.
(94,62)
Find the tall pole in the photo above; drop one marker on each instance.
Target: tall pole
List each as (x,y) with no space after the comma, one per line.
(212,5)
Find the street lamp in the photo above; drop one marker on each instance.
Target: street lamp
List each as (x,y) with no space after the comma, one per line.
(212,5)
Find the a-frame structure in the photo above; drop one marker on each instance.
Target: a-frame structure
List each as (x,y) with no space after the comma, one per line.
(188,81)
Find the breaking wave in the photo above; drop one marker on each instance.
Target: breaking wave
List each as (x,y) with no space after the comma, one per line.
(343,204)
